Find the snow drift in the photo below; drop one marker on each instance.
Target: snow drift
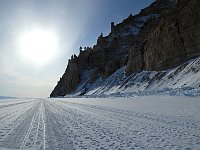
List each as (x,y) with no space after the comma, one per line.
(182,80)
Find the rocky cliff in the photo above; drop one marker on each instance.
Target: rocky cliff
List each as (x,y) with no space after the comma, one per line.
(173,41)
(161,36)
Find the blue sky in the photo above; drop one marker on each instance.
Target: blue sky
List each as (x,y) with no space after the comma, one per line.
(75,22)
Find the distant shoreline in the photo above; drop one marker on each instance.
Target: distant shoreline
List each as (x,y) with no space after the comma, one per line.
(7,97)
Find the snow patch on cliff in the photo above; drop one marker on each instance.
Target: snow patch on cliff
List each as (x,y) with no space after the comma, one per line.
(182,80)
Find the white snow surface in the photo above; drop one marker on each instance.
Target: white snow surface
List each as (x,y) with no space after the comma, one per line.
(150,122)
(183,80)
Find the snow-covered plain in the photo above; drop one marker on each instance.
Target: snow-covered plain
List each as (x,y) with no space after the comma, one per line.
(151,122)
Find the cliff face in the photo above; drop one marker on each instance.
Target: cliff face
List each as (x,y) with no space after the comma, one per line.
(69,80)
(173,41)
(162,35)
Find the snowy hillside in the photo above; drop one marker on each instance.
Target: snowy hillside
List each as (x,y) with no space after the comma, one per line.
(182,80)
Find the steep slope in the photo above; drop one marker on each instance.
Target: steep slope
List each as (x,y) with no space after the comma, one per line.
(185,76)
(161,36)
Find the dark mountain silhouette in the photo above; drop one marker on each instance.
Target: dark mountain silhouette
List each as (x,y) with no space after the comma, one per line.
(162,36)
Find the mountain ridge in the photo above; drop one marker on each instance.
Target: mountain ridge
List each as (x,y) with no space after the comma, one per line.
(136,44)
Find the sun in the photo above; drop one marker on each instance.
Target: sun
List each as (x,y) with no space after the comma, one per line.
(38,46)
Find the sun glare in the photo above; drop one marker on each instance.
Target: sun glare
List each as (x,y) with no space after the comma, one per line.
(38,46)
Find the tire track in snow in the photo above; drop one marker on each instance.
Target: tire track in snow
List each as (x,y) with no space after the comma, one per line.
(44,126)
(21,118)
(35,136)
(53,124)
(10,114)
(90,132)
(25,130)
(37,132)
(149,128)
(56,137)
(30,128)
(9,105)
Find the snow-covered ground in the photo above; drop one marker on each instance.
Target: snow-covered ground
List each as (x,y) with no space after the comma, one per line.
(151,122)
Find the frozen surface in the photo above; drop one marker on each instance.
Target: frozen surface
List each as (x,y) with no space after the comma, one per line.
(151,122)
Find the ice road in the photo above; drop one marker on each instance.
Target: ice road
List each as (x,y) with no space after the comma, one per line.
(151,122)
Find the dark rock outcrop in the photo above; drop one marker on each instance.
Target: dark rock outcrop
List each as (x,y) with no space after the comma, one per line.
(161,36)
(69,80)
(173,41)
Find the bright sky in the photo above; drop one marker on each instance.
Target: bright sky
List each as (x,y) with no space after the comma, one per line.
(37,37)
